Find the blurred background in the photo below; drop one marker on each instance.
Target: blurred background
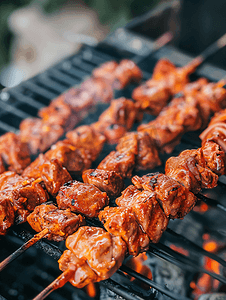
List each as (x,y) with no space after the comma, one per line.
(35,34)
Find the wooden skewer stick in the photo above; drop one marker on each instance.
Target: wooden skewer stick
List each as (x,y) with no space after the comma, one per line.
(23,248)
(57,283)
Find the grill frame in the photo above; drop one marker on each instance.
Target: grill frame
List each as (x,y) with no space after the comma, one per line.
(70,71)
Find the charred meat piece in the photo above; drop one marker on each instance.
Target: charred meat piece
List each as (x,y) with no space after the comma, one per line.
(128,143)
(7,214)
(214,157)
(126,72)
(38,135)
(152,96)
(174,198)
(122,163)
(95,253)
(25,194)
(6,177)
(216,131)
(2,166)
(61,223)
(107,181)
(79,100)
(87,138)
(115,121)
(99,88)
(54,175)
(67,155)
(147,210)
(148,153)
(121,221)
(59,113)
(33,171)
(14,152)
(82,198)
(190,169)
(119,75)
(180,116)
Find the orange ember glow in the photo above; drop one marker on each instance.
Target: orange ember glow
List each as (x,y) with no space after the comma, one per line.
(210,246)
(91,290)
(201,208)
(136,263)
(180,250)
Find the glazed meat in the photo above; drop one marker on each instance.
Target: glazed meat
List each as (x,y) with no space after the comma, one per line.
(214,157)
(122,163)
(95,253)
(119,75)
(33,171)
(121,221)
(174,198)
(7,214)
(54,175)
(24,193)
(99,89)
(61,223)
(79,100)
(67,155)
(59,113)
(87,138)
(39,135)
(128,143)
(147,210)
(148,153)
(107,181)
(115,121)
(189,169)
(166,81)
(216,131)
(14,153)
(152,96)
(82,198)
(180,116)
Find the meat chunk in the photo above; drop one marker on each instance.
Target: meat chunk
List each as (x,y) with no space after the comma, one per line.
(38,135)
(213,156)
(190,169)
(152,96)
(128,143)
(33,171)
(61,223)
(121,221)
(119,75)
(147,210)
(25,194)
(7,214)
(67,155)
(174,198)
(14,153)
(148,153)
(82,198)
(122,163)
(96,254)
(107,181)
(54,175)
(115,121)
(59,113)
(87,138)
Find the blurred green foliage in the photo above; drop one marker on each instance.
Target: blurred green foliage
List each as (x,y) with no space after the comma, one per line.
(114,13)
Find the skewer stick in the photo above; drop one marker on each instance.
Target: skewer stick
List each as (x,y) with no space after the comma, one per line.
(57,283)
(23,248)
(161,41)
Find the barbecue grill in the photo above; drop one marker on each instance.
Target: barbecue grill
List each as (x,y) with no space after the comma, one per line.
(172,271)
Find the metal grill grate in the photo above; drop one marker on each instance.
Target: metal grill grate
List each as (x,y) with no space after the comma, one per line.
(36,268)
